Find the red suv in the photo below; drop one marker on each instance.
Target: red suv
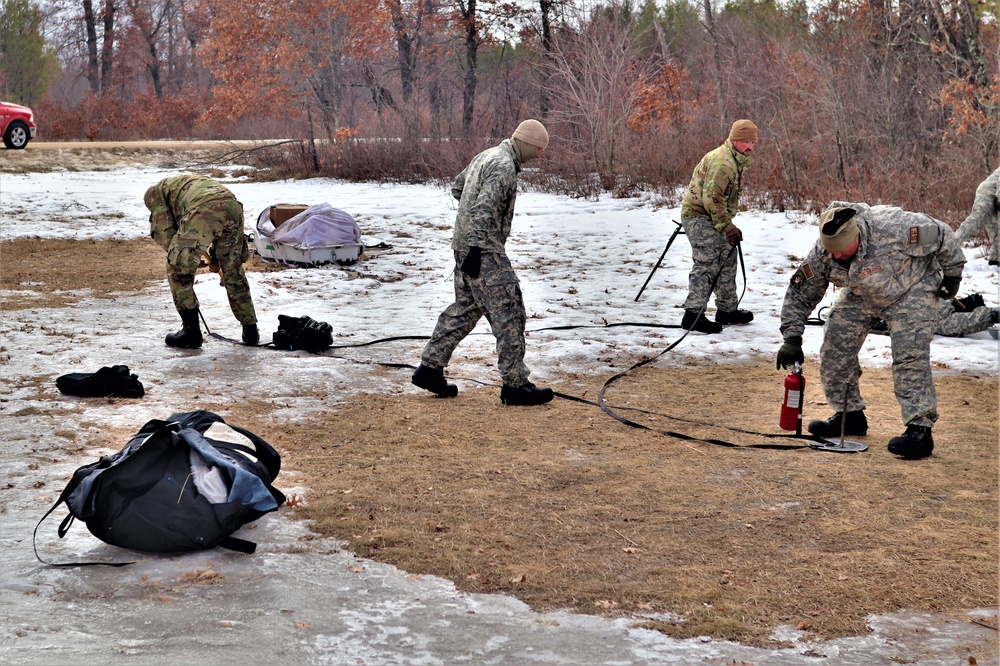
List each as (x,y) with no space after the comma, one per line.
(17,125)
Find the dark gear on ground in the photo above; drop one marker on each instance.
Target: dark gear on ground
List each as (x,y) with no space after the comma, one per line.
(914,444)
(473,262)
(432,379)
(737,317)
(529,394)
(969,303)
(855,426)
(693,322)
(179,485)
(302,333)
(790,352)
(108,382)
(189,337)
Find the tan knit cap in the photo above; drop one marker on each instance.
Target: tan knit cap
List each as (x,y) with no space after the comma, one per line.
(838,228)
(743,130)
(533,132)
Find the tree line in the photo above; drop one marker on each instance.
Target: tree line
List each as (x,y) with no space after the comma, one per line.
(865,100)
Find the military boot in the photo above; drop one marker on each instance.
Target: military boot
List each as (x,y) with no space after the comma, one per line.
(432,379)
(188,337)
(734,317)
(251,335)
(856,426)
(529,394)
(692,322)
(913,444)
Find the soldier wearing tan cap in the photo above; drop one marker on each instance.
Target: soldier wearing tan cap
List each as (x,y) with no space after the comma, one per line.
(710,204)
(892,265)
(485,282)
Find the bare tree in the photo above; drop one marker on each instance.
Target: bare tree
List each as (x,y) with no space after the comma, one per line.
(595,75)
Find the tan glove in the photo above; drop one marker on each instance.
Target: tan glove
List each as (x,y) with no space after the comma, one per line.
(733,234)
(213,261)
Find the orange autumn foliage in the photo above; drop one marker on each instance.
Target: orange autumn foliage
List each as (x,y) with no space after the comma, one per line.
(273,58)
(662,101)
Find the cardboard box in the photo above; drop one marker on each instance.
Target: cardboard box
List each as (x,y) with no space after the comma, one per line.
(284,212)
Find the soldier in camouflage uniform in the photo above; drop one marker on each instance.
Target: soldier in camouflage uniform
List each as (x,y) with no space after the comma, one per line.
(710,203)
(189,216)
(485,283)
(985,215)
(890,264)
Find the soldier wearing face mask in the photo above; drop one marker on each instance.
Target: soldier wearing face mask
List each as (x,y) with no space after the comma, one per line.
(485,283)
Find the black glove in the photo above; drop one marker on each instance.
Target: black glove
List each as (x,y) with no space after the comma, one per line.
(302,333)
(790,352)
(949,286)
(315,335)
(472,262)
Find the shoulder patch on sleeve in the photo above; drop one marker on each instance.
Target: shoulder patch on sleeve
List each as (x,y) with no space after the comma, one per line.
(802,274)
(926,234)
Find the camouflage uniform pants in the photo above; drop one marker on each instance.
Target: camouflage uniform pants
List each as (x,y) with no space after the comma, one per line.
(495,294)
(710,253)
(912,321)
(957,324)
(219,223)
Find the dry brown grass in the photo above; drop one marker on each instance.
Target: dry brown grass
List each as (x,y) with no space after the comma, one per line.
(564,507)
(55,273)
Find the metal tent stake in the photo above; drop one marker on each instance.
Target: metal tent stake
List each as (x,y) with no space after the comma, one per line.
(844,445)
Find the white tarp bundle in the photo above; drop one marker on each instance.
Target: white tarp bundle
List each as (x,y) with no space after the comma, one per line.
(320,225)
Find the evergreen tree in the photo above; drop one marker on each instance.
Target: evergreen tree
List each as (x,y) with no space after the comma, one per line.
(27,65)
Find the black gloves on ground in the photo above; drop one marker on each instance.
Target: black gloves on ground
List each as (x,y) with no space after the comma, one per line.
(302,333)
(949,286)
(790,352)
(472,262)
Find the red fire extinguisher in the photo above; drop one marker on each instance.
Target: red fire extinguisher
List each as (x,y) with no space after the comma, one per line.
(791,406)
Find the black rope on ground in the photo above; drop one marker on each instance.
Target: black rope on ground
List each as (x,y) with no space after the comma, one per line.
(609,410)
(720,442)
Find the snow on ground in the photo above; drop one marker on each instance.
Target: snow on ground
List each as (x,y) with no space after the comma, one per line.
(579,261)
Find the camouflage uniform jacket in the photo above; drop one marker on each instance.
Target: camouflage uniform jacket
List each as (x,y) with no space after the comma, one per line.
(486,190)
(985,209)
(898,250)
(171,199)
(714,191)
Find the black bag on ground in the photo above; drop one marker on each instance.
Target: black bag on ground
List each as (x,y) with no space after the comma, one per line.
(179,485)
(302,333)
(108,382)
